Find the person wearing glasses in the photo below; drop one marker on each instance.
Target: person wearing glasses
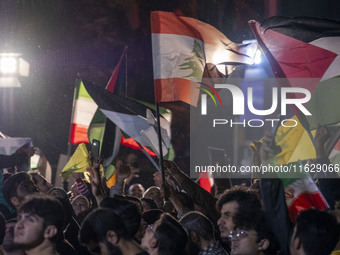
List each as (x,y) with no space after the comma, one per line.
(252,235)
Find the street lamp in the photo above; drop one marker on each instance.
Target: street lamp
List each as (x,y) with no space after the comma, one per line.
(12,67)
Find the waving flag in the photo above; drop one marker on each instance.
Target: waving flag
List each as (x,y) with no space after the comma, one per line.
(134,119)
(84,109)
(183,49)
(305,48)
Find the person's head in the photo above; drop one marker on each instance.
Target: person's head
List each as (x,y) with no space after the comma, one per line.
(40,181)
(165,237)
(8,244)
(40,220)
(234,200)
(200,230)
(154,193)
(127,210)
(80,204)
(105,227)
(252,234)
(315,233)
(58,192)
(136,190)
(148,204)
(17,187)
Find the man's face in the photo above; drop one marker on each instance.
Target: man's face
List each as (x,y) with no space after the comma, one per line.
(42,184)
(225,223)
(154,194)
(244,242)
(8,242)
(29,230)
(149,236)
(26,188)
(80,205)
(136,190)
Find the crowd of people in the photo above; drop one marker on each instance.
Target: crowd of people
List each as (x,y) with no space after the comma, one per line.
(176,217)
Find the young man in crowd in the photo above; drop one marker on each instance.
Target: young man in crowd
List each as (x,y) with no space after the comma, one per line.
(40,181)
(201,239)
(315,233)
(8,245)
(165,237)
(103,227)
(39,226)
(252,235)
(17,187)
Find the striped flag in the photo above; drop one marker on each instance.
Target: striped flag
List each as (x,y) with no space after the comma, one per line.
(183,49)
(302,194)
(84,109)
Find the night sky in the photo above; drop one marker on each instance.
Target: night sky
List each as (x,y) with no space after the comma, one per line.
(65,39)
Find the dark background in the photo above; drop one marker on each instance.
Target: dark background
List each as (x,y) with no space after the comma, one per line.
(66,39)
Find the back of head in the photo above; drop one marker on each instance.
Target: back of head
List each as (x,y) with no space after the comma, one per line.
(199,223)
(48,208)
(11,184)
(99,222)
(246,199)
(127,210)
(171,236)
(318,232)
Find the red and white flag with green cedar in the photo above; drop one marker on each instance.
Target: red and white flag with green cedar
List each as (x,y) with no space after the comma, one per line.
(302,194)
(183,50)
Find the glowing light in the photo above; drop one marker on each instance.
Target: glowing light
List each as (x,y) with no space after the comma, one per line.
(258,57)
(8,65)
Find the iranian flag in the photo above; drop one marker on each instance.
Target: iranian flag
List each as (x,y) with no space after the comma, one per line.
(184,50)
(84,109)
(302,194)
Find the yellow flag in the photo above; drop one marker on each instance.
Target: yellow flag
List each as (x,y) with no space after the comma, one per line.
(78,162)
(295,144)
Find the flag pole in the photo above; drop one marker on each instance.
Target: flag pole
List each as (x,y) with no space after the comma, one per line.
(149,157)
(160,142)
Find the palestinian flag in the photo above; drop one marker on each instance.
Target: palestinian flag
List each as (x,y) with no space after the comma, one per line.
(306,52)
(184,49)
(302,194)
(132,118)
(84,109)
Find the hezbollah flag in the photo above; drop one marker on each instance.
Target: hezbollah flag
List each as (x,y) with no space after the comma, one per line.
(183,49)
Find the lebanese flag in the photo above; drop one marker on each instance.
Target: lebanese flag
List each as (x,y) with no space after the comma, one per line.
(183,49)
(305,48)
(84,109)
(302,194)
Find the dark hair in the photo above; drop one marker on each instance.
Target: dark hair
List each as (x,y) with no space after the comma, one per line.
(99,222)
(171,236)
(48,208)
(11,185)
(186,200)
(127,210)
(152,216)
(318,232)
(150,202)
(199,223)
(255,219)
(2,227)
(246,199)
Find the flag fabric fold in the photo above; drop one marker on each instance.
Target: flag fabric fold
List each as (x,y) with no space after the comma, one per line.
(182,48)
(78,163)
(134,119)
